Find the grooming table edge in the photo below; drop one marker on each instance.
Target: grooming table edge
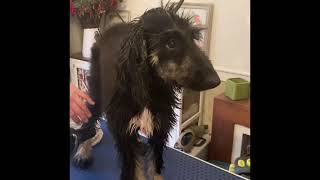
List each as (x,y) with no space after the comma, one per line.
(209,163)
(178,165)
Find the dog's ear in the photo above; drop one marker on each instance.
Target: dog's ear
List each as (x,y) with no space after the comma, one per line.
(133,68)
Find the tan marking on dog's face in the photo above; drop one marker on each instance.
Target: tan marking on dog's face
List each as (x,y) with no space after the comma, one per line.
(154,59)
(144,122)
(172,71)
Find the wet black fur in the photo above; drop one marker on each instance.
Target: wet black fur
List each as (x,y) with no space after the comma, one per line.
(123,83)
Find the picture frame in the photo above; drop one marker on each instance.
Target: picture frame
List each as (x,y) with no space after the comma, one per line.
(79,73)
(202,16)
(204,42)
(124,14)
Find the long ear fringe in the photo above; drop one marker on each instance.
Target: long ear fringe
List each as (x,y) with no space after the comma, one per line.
(133,66)
(174,7)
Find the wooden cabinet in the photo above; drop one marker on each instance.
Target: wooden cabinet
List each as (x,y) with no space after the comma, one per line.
(226,113)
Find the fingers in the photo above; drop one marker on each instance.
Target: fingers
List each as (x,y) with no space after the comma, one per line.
(75,91)
(74,117)
(79,113)
(81,104)
(86,97)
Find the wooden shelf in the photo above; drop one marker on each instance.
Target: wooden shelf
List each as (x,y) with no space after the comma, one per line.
(226,113)
(190,120)
(79,56)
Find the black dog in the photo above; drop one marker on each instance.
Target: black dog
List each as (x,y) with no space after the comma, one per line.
(137,69)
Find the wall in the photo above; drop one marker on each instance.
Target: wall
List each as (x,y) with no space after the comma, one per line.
(208,104)
(75,36)
(231,38)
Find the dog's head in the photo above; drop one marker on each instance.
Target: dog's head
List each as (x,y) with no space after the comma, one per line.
(172,50)
(165,41)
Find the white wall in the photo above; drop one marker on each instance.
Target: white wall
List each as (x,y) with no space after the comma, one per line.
(138,7)
(231,38)
(76,34)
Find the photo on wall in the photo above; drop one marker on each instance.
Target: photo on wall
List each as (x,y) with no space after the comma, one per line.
(83,83)
(79,74)
(201,16)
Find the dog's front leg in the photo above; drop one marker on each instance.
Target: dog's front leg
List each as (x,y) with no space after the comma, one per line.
(82,158)
(159,160)
(85,139)
(158,145)
(128,160)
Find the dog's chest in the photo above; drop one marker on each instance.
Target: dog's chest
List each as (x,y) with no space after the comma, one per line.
(144,123)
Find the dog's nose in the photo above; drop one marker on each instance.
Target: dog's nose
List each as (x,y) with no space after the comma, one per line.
(212,82)
(208,82)
(212,79)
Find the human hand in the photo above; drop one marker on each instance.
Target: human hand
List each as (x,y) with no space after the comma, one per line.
(79,111)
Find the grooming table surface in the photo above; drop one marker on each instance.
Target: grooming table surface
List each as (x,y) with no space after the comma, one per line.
(178,166)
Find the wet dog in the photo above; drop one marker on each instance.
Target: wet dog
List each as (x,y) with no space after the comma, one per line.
(137,69)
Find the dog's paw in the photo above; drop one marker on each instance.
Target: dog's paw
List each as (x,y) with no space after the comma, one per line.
(82,158)
(97,138)
(82,162)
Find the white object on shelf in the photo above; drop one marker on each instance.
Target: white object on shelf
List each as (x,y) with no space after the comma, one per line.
(190,111)
(202,151)
(75,66)
(190,120)
(88,41)
(238,133)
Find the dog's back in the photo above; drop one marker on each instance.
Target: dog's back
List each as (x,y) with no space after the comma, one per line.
(105,56)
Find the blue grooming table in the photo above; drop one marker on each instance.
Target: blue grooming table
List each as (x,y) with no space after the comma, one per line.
(178,165)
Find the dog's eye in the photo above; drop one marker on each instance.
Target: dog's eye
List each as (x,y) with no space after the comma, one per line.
(171,44)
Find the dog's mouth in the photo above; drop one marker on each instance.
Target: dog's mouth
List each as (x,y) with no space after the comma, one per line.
(176,84)
(207,84)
